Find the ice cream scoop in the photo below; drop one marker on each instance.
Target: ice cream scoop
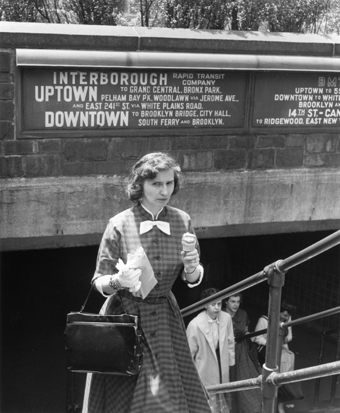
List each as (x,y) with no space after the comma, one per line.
(188,242)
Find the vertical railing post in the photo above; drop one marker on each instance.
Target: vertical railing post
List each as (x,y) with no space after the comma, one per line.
(276,279)
(335,378)
(279,348)
(317,382)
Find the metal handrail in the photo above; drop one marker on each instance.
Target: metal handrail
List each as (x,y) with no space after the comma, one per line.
(236,288)
(275,274)
(334,379)
(296,322)
(280,266)
(310,252)
(277,379)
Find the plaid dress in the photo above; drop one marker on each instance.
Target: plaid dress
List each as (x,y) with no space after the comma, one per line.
(168,381)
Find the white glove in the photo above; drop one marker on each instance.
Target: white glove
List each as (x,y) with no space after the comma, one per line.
(128,277)
(190,260)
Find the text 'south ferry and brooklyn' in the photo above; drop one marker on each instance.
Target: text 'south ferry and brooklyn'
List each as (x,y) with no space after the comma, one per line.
(74,99)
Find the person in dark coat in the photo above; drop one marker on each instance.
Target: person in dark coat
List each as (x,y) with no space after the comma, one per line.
(168,381)
(246,363)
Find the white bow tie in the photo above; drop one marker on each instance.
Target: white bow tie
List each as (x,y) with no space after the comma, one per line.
(216,320)
(146,226)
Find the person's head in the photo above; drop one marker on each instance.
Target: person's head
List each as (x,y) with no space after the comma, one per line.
(214,308)
(153,180)
(233,302)
(286,311)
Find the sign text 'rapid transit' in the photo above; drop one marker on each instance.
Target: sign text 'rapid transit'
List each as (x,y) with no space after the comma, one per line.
(79,99)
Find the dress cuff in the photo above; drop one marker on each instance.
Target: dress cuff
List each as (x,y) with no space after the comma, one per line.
(200,278)
(98,282)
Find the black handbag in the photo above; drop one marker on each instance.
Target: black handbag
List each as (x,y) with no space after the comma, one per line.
(107,344)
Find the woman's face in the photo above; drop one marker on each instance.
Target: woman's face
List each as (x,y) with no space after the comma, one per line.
(233,304)
(284,316)
(214,308)
(157,192)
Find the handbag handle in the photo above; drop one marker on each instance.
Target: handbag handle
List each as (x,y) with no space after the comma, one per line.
(88,295)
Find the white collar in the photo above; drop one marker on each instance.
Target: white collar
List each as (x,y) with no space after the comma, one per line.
(210,320)
(153,217)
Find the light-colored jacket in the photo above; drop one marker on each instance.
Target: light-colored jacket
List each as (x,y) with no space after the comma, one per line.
(203,351)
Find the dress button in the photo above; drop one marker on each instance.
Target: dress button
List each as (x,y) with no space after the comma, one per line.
(154,313)
(157,257)
(154,334)
(157,287)
(156,241)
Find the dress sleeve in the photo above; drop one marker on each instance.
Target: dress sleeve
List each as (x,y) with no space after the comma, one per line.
(290,332)
(247,320)
(199,280)
(231,342)
(192,338)
(108,253)
(261,325)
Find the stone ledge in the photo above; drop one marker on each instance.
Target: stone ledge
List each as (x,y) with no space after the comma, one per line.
(118,38)
(220,204)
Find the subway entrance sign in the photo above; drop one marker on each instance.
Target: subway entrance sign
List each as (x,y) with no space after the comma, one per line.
(118,102)
(108,100)
(297,100)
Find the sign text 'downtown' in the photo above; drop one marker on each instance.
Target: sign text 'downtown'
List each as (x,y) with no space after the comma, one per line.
(72,99)
(297,100)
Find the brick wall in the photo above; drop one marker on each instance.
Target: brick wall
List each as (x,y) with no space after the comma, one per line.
(61,191)
(247,183)
(97,156)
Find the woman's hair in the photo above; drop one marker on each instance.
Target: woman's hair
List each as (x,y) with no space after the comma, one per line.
(240,294)
(148,168)
(285,306)
(208,292)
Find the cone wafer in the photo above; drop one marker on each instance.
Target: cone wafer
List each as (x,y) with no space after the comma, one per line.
(188,241)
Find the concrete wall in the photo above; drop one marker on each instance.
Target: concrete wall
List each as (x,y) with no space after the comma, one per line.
(61,191)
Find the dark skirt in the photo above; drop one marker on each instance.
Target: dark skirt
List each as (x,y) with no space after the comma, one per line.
(286,392)
(246,367)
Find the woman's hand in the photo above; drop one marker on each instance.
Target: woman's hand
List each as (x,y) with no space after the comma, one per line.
(130,279)
(190,260)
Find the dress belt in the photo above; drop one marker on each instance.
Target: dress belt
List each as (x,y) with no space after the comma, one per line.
(149,300)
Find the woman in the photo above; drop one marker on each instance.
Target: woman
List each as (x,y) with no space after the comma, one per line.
(290,391)
(286,312)
(211,341)
(168,381)
(246,364)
